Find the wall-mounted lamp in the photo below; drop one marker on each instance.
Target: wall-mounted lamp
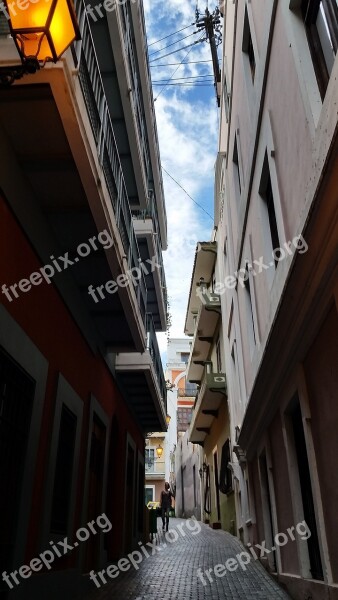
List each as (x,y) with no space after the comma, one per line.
(159,451)
(42,33)
(168,419)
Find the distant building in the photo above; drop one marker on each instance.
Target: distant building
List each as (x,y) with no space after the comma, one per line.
(210,422)
(186,458)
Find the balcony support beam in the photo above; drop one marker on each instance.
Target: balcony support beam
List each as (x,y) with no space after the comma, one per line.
(211,413)
(205,430)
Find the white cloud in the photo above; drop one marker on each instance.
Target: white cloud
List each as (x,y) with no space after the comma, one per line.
(188,132)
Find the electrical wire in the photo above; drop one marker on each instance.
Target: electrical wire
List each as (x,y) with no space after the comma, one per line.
(170,78)
(170,34)
(185,191)
(178,50)
(181,78)
(196,84)
(173,43)
(193,62)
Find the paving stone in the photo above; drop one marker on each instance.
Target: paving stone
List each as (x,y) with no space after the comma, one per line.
(171,573)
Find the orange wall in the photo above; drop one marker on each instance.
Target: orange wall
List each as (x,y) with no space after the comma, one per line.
(43,316)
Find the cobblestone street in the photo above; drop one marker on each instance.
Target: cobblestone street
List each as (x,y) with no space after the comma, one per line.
(171,573)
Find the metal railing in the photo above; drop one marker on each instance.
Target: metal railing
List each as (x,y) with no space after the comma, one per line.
(151,213)
(102,128)
(152,347)
(187,392)
(4,27)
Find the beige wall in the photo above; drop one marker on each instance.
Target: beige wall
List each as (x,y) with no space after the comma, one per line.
(294,306)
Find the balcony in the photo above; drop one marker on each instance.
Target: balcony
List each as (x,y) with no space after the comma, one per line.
(206,324)
(186,392)
(120,41)
(205,259)
(203,311)
(65,183)
(142,379)
(211,395)
(155,470)
(148,239)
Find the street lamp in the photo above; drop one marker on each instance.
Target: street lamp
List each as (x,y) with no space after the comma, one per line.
(42,33)
(159,451)
(168,419)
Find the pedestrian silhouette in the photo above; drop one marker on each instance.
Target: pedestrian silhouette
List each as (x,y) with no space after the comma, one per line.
(166,496)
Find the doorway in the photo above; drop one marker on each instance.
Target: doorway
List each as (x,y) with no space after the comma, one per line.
(316,568)
(17,391)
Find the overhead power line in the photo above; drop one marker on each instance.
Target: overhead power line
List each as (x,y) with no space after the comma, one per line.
(185,191)
(195,84)
(192,62)
(171,34)
(174,73)
(173,43)
(178,50)
(181,78)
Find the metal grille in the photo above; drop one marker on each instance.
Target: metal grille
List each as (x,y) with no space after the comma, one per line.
(4,28)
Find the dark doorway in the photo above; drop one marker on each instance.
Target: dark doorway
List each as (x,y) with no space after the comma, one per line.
(95,488)
(17,390)
(182,487)
(217,487)
(306,491)
(266,499)
(130,499)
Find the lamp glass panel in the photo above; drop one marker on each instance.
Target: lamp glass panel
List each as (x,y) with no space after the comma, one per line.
(30,45)
(61,28)
(35,15)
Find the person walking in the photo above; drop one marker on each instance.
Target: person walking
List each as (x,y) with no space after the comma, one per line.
(166,496)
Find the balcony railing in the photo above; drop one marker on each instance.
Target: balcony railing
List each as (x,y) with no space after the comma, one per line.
(152,347)
(156,466)
(151,213)
(187,392)
(102,128)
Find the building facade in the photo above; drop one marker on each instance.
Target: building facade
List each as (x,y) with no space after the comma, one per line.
(277,242)
(210,422)
(81,379)
(185,458)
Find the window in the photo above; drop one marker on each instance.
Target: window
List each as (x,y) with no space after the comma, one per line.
(63,472)
(237,172)
(195,489)
(149,495)
(249,309)
(150,460)
(226,97)
(218,356)
(266,193)
(321,21)
(190,389)
(247,46)
(185,357)
(225,483)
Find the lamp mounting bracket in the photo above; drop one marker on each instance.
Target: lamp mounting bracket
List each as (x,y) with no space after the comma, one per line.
(14,72)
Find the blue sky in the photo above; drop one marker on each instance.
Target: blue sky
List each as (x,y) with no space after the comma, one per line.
(187,120)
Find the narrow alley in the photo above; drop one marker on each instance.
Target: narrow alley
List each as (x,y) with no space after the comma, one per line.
(171,571)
